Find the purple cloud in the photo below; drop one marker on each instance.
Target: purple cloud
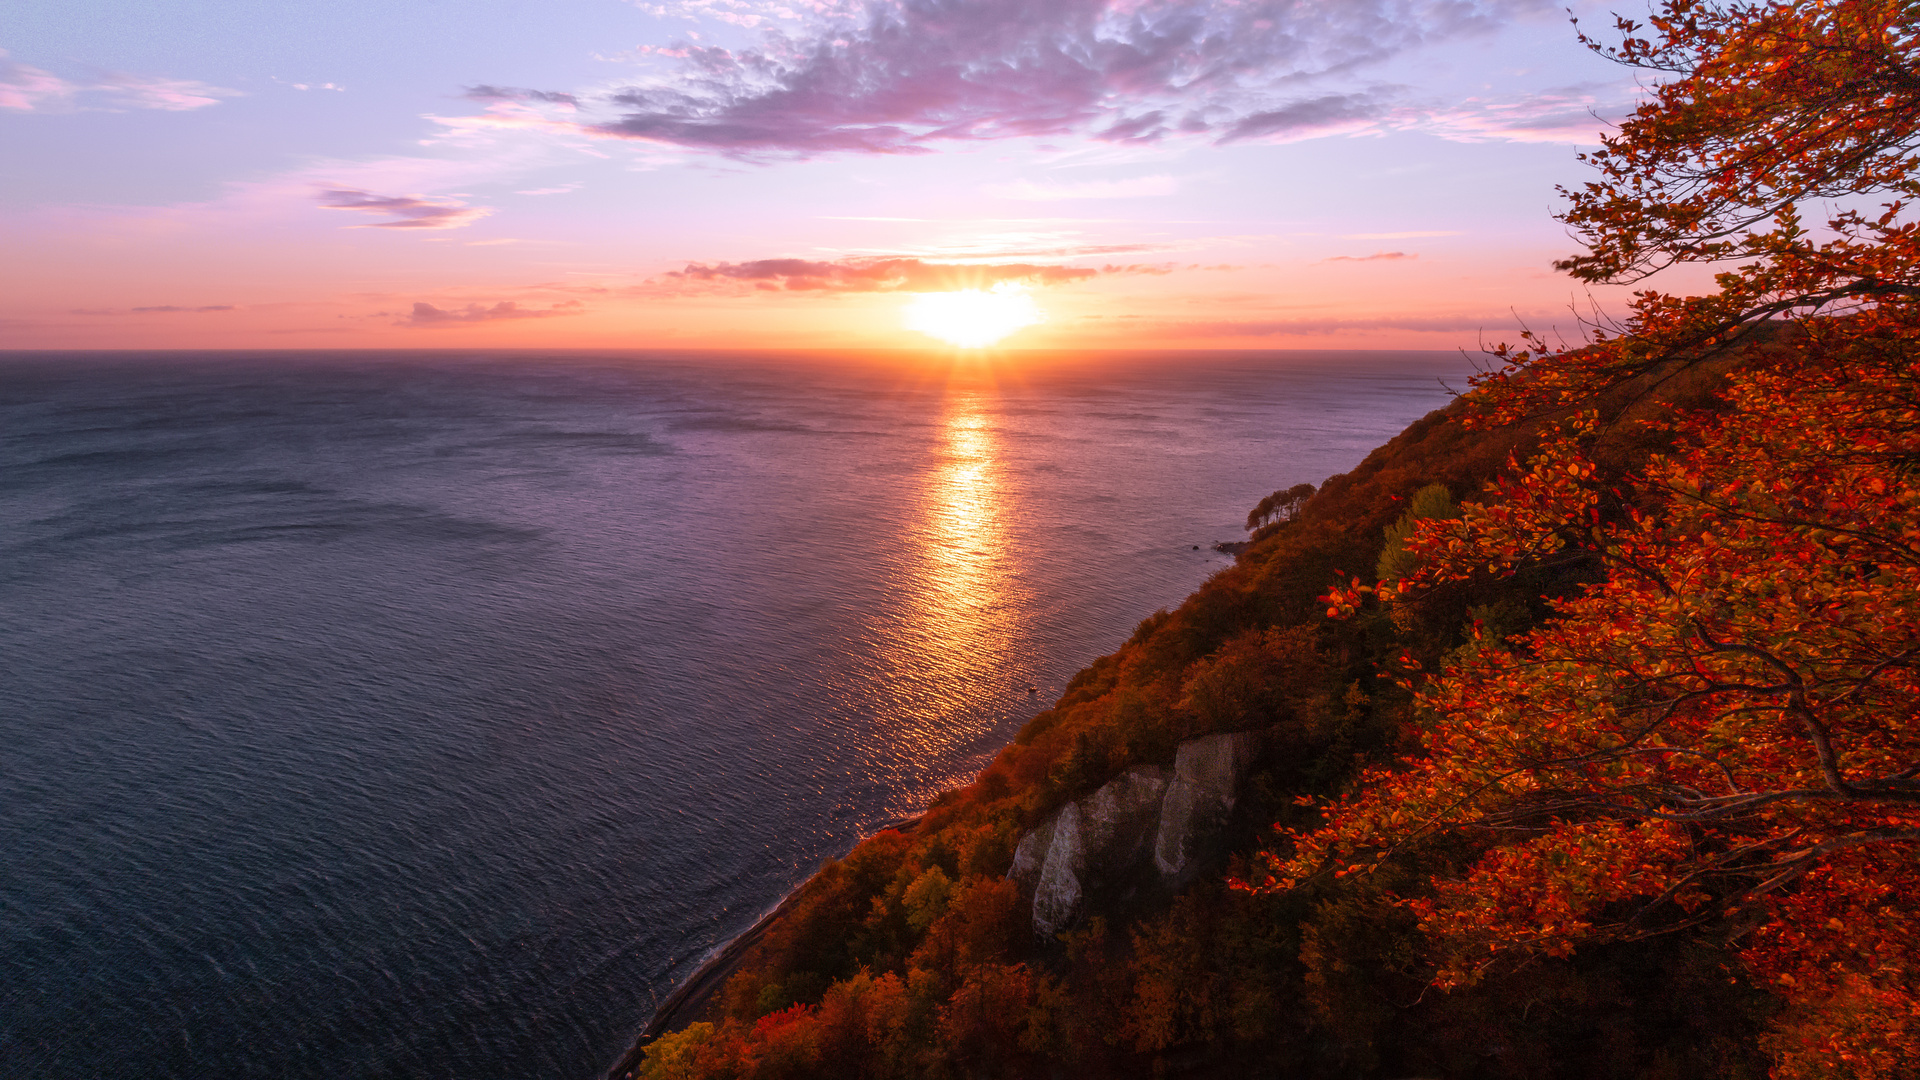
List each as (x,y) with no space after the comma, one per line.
(909,73)
(513,93)
(1378,256)
(408,211)
(1312,116)
(427,315)
(170,307)
(878,275)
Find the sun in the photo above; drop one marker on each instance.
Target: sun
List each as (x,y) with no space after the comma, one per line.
(973,318)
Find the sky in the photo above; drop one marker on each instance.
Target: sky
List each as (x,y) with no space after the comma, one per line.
(1272,174)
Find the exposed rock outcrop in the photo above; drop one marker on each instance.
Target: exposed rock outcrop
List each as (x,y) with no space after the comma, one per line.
(1207,774)
(1108,830)
(1030,857)
(1145,819)
(1058,894)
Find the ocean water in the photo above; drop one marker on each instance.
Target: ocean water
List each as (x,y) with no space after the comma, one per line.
(401,715)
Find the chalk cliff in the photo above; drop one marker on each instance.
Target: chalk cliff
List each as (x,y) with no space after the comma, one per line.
(1147,817)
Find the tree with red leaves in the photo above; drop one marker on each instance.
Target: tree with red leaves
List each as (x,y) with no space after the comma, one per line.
(1723,730)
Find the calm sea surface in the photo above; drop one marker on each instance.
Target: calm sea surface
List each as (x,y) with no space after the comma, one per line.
(400,716)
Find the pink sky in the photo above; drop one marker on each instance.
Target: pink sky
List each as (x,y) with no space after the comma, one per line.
(746,173)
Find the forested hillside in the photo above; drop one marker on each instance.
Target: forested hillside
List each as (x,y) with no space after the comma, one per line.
(1588,705)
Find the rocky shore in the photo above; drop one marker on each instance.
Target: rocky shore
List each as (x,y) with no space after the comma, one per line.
(690,999)
(1151,826)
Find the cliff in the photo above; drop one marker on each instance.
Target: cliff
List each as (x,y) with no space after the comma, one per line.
(1146,827)
(1068,913)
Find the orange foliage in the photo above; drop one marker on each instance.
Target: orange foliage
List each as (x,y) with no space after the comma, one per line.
(1725,726)
(1716,731)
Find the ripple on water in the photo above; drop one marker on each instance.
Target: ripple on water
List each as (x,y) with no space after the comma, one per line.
(379,715)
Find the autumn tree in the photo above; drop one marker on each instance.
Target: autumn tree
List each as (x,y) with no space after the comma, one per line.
(1282,505)
(1723,729)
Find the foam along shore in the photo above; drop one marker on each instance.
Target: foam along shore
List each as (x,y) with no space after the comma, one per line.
(1148,820)
(690,999)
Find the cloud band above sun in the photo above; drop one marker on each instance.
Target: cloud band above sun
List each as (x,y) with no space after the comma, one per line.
(406,211)
(877,275)
(904,76)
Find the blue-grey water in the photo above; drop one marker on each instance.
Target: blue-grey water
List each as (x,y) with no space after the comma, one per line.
(394,715)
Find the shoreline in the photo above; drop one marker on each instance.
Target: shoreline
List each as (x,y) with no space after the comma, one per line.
(684,1005)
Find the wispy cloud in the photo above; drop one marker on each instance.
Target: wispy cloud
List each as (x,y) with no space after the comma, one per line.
(152,309)
(335,87)
(747,13)
(24,88)
(514,93)
(1322,115)
(905,74)
(152,92)
(1418,235)
(1138,187)
(1314,326)
(407,211)
(430,316)
(1568,114)
(993,248)
(29,89)
(1378,256)
(876,275)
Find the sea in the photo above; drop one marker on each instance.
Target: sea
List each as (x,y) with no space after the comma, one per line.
(406,714)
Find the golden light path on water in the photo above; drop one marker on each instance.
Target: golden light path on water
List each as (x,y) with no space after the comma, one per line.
(958,638)
(965,535)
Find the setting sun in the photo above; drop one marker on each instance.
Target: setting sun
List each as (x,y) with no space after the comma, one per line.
(973,318)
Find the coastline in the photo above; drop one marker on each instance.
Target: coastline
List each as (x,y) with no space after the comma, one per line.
(688,1000)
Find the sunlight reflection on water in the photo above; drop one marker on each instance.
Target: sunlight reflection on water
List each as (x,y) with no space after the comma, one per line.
(962,631)
(373,715)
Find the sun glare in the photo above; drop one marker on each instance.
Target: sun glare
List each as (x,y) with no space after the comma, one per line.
(973,318)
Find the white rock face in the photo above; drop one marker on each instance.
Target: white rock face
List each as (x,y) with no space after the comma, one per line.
(1101,835)
(1057,895)
(1117,821)
(1146,811)
(1217,763)
(1207,775)
(1031,856)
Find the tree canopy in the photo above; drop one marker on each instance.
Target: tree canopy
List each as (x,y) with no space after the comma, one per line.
(1279,506)
(1646,779)
(1722,727)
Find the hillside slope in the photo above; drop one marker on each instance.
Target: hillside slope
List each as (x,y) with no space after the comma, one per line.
(917,954)
(1602,759)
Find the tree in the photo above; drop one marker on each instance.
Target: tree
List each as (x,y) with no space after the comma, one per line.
(1279,506)
(1431,502)
(1772,107)
(1724,729)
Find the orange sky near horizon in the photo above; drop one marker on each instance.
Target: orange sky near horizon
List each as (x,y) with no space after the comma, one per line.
(1356,184)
